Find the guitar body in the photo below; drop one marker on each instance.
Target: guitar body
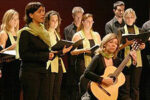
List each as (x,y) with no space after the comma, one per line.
(100,94)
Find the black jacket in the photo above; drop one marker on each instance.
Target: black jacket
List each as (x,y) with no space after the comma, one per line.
(33,51)
(96,68)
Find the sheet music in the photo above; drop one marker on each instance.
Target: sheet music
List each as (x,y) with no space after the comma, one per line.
(10,52)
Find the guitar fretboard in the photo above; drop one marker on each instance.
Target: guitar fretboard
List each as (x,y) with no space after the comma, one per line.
(122,65)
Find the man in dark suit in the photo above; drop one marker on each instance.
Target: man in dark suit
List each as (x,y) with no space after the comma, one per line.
(71,29)
(70,78)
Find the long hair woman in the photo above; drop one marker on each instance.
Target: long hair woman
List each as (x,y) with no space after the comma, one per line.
(8,36)
(52,24)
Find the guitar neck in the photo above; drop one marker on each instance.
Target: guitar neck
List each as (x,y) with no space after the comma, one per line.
(135,46)
(122,65)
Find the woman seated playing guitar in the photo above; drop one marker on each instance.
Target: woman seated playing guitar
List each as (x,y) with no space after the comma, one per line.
(106,57)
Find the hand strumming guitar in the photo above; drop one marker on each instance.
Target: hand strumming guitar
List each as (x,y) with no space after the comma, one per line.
(107,81)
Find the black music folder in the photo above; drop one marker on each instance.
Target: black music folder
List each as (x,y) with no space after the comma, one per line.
(61,43)
(10,52)
(142,37)
(7,56)
(94,48)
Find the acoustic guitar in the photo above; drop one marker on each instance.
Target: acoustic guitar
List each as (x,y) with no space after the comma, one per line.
(103,92)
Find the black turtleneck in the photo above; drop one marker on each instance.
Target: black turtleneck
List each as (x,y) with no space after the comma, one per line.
(131,29)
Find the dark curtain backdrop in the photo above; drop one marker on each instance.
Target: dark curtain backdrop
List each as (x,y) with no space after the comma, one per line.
(101,9)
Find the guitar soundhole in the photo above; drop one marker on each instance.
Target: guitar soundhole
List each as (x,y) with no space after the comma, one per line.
(114,78)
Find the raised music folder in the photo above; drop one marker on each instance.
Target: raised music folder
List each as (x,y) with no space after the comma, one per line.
(142,37)
(94,48)
(61,43)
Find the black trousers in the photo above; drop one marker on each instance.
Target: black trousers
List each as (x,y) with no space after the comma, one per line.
(145,80)
(69,85)
(55,84)
(35,85)
(130,90)
(83,85)
(10,80)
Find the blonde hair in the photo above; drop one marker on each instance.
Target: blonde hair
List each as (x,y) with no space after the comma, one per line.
(129,11)
(106,39)
(7,18)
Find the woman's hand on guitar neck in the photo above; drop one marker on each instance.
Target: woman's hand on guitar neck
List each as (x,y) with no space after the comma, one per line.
(134,56)
(107,81)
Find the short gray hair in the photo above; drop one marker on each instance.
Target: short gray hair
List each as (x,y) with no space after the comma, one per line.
(77,9)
